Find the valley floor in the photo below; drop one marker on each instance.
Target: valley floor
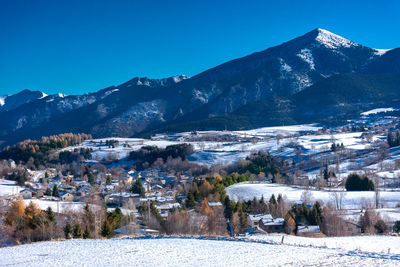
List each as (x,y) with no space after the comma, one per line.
(185,252)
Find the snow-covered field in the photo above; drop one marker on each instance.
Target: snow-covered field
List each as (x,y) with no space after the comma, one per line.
(352,200)
(376,244)
(57,206)
(9,188)
(228,151)
(377,110)
(184,252)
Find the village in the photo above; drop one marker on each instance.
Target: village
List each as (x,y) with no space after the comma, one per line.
(197,178)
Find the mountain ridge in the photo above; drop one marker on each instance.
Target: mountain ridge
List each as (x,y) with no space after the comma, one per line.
(276,78)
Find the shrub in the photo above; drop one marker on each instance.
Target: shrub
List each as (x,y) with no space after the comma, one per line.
(355,182)
(396,227)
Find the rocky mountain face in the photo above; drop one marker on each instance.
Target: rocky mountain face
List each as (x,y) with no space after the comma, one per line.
(314,77)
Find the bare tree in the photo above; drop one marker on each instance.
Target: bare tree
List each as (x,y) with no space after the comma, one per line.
(332,223)
(306,196)
(338,198)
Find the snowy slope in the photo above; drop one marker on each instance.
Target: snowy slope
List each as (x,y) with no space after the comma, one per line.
(9,188)
(333,41)
(377,244)
(352,200)
(183,252)
(377,110)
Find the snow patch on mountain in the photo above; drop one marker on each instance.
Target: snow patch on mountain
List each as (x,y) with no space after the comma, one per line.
(2,100)
(381,52)
(301,81)
(110,92)
(284,66)
(306,55)
(180,78)
(43,95)
(201,96)
(333,41)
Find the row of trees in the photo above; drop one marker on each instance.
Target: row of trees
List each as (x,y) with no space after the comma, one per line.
(149,154)
(40,150)
(29,223)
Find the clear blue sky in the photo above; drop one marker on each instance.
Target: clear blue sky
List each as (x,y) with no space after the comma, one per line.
(82,46)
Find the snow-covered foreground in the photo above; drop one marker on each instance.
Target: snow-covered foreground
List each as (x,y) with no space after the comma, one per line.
(376,244)
(184,252)
(352,200)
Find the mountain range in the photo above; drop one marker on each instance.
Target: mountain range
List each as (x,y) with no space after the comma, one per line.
(317,77)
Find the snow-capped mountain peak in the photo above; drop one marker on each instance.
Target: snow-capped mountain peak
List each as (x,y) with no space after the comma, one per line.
(9,102)
(43,95)
(331,40)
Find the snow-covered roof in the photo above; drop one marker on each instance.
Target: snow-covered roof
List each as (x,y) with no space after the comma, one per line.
(276,221)
(258,217)
(214,204)
(168,206)
(308,229)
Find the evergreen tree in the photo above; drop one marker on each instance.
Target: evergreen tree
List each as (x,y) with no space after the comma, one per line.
(380,227)
(326,172)
(87,234)
(56,192)
(48,192)
(137,188)
(91,179)
(280,199)
(197,195)
(155,212)
(396,227)
(229,208)
(272,199)
(333,147)
(190,202)
(68,230)
(106,230)
(108,180)
(316,214)
(77,231)
(242,219)
(355,182)
(50,214)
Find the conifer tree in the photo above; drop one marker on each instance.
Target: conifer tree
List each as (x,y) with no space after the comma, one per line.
(137,188)
(50,214)
(77,231)
(272,200)
(48,191)
(106,230)
(87,234)
(242,218)
(190,202)
(108,180)
(56,192)
(68,230)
